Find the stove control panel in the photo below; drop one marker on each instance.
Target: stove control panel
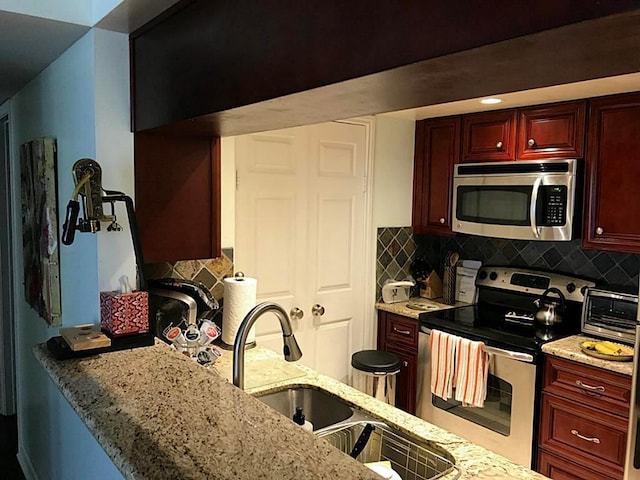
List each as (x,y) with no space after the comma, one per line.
(532,281)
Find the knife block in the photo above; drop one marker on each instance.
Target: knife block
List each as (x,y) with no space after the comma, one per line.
(431,286)
(124,313)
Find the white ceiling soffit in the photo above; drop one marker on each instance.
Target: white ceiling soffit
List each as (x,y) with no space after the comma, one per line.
(28,45)
(556,93)
(132,14)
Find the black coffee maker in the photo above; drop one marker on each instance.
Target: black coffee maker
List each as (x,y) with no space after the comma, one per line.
(176,302)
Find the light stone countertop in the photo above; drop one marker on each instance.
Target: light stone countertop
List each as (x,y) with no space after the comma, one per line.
(159,415)
(569,348)
(400,308)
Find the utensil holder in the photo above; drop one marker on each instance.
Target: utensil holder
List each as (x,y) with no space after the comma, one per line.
(449,288)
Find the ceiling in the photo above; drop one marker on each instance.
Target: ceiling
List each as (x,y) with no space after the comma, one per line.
(29,44)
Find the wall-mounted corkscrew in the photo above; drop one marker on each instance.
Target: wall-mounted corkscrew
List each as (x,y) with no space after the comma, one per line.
(87,175)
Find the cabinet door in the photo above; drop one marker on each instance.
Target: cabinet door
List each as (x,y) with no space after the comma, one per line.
(177,182)
(613,174)
(406,381)
(586,435)
(489,136)
(551,131)
(558,468)
(437,149)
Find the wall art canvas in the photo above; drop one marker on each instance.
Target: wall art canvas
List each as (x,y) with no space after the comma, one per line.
(40,228)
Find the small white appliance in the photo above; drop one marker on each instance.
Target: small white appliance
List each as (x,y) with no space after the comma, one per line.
(396,291)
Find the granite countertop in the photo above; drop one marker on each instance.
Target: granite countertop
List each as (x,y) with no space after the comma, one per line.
(159,415)
(401,308)
(569,348)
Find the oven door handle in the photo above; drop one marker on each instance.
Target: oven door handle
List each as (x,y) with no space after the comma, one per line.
(501,352)
(534,205)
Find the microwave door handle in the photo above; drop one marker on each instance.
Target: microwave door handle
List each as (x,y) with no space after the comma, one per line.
(534,205)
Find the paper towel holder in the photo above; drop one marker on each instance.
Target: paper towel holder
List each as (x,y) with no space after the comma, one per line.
(238,276)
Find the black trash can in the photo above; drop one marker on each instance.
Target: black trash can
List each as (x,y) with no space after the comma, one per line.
(374,373)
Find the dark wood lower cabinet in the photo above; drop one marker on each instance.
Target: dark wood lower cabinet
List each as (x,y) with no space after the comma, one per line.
(399,335)
(560,468)
(583,422)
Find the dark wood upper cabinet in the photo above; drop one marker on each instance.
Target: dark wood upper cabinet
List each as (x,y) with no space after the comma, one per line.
(437,148)
(551,131)
(613,174)
(177,182)
(489,136)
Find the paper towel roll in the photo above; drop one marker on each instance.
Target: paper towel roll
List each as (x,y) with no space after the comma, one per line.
(239,299)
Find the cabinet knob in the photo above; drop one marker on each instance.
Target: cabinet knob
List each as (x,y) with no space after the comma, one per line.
(405,364)
(531,143)
(499,145)
(442,219)
(599,231)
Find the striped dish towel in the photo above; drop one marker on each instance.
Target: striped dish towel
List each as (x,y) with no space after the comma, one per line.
(471,373)
(443,349)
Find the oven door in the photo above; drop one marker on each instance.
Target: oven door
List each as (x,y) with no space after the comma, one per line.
(527,206)
(505,424)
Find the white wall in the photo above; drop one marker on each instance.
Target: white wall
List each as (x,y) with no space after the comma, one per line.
(228,191)
(72,11)
(114,152)
(393,171)
(61,102)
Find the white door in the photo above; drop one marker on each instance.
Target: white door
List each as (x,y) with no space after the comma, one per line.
(300,230)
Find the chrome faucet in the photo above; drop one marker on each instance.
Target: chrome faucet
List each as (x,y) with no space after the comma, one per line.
(291,349)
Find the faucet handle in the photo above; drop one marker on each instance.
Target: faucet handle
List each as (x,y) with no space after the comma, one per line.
(296,313)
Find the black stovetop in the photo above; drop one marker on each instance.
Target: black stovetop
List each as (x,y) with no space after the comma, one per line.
(487,323)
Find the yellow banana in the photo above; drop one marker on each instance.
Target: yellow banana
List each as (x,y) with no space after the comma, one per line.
(588,344)
(602,347)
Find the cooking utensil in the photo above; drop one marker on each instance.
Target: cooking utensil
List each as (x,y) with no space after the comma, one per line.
(549,312)
(362,440)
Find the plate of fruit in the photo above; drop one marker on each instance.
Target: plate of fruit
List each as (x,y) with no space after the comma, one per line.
(607,350)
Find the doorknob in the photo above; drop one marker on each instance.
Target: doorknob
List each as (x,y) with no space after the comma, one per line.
(296,313)
(317,310)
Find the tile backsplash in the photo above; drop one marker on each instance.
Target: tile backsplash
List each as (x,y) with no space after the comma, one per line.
(210,272)
(398,247)
(394,254)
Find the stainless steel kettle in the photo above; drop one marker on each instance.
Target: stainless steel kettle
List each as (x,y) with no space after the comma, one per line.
(550,310)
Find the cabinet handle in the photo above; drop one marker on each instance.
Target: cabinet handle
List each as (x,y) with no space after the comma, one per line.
(591,388)
(531,143)
(405,364)
(582,437)
(296,313)
(599,231)
(499,145)
(442,219)
(402,332)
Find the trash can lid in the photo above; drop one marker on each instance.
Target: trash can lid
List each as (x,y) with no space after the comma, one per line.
(375,361)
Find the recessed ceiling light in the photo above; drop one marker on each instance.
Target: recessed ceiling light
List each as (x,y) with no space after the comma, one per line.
(490,101)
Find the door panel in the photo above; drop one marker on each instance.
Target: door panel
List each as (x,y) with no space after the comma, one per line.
(300,231)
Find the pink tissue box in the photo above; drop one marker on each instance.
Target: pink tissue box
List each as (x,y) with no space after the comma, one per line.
(124,313)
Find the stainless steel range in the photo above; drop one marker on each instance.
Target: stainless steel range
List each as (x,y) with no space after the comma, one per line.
(505,320)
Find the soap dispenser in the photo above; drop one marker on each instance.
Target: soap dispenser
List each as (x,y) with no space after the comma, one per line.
(298,418)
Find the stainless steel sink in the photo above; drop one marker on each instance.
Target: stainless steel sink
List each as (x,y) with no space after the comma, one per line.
(341,424)
(410,456)
(320,407)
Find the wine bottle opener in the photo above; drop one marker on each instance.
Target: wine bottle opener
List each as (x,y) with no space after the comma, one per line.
(87,176)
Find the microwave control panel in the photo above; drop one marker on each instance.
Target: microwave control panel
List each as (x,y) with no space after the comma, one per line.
(552,205)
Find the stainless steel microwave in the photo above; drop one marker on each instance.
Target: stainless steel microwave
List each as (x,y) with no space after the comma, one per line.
(526,200)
